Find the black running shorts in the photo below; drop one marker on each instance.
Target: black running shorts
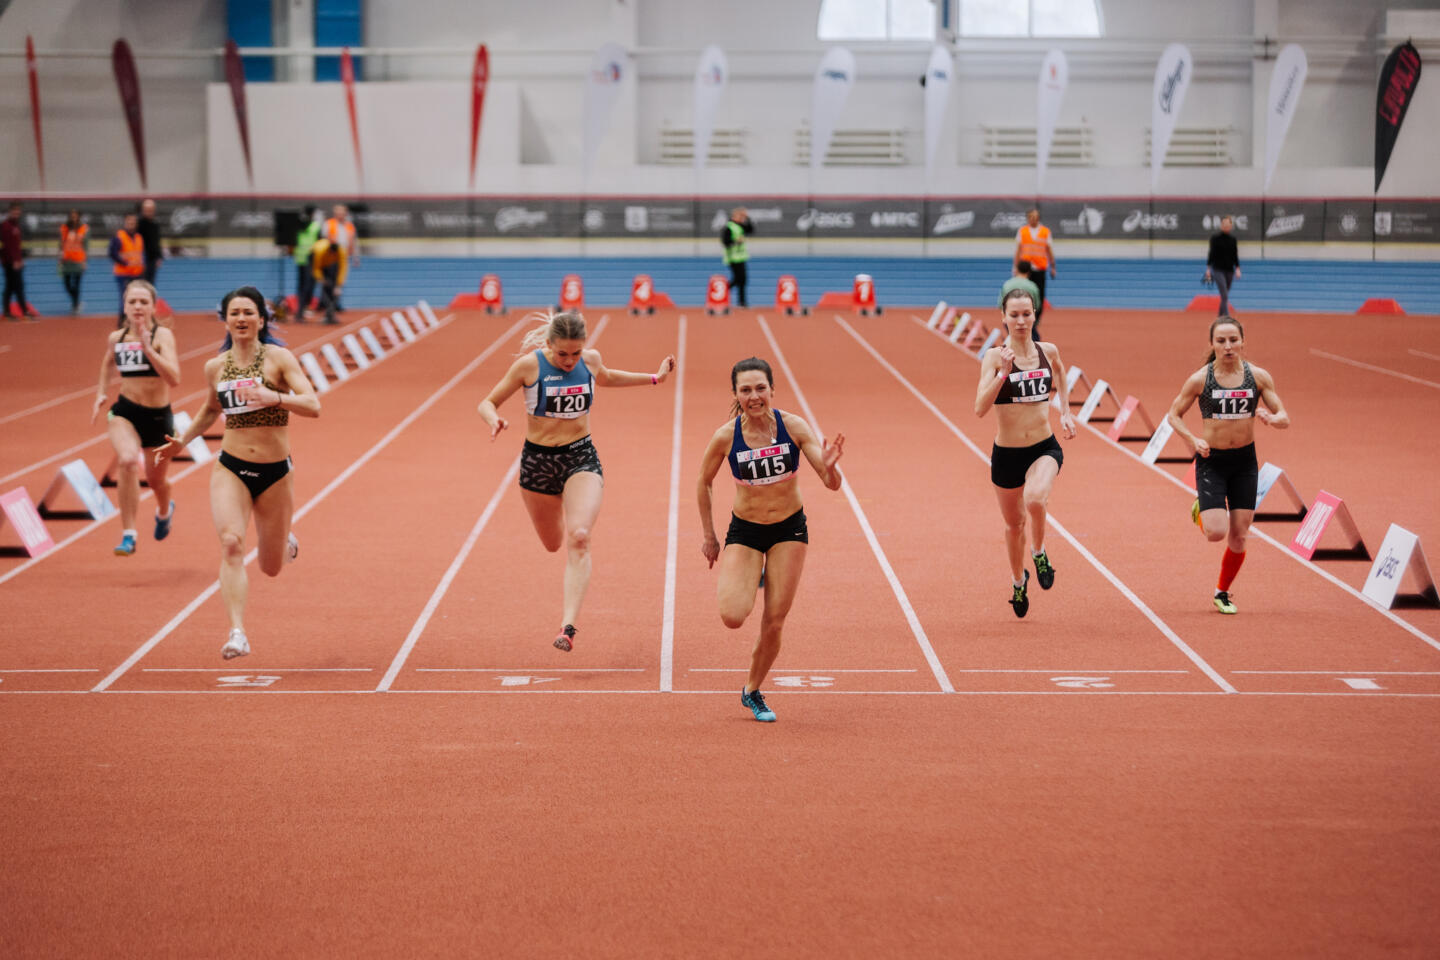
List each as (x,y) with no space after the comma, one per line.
(1227,477)
(545,469)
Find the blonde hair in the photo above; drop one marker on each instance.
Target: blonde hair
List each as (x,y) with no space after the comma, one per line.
(154,302)
(564,325)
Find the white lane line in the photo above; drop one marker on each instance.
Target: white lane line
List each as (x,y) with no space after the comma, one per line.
(531,669)
(181,402)
(578,691)
(1066,670)
(147,494)
(5,349)
(77,670)
(1370,366)
(1344,673)
(1255,531)
(1094,561)
(796,670)
(672,529)
(316,500)
(1427,356)
(443,586)
(255,669)
(900,596)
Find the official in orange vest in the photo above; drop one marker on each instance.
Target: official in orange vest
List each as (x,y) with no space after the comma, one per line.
(330,264)
(73,257)
(127,252)
(1032,247)
(340,231)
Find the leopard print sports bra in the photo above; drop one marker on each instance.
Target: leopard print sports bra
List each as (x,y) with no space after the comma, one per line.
(238,414)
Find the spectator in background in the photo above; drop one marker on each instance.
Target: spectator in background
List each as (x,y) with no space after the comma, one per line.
(1223,263)
(329,265)
(127,252)
(73,257)
(12,256)
(340,231)
(732,238)
(304,272)
(1032,246)
(150,235)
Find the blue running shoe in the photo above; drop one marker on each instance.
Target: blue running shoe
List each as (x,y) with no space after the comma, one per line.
(756,702)
(126,545)
(162,525)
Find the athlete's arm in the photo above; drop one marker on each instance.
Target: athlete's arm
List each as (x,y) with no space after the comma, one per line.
(1061,381)
(301,398)
(106,362)
(208,413)
(161,355)
(994,368)
(607,377)
(1276,416)
(1188,395)
(823,456)
(709,466)
(514,379)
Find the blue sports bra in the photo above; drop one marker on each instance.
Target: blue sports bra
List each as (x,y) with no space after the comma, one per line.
(557,394)
(756,467)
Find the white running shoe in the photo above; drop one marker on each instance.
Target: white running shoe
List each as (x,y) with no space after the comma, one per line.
(236,646)
(292,549)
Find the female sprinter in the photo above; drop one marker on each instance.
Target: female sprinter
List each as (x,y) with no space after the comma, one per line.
(1229,391)
(1018,378)
(256,383)
(143,351)
(561,480)
(767,539)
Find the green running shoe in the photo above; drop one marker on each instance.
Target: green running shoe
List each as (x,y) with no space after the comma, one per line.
(1043,571)
(1223,603)
(1195,511)
(1020,601)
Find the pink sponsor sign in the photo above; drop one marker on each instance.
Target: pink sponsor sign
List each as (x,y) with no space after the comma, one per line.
(1117,429)
(23,516)
(1307,538)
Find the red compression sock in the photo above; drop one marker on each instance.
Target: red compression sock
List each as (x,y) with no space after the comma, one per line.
(1229,567)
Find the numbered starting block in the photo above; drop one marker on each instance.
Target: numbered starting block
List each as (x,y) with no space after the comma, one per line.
(572,292)
(644,298)
(1131,409)
(75,477)
(787,297)
(1328,507)
(717,295)
(863,296)
(17,509)
(1400,558)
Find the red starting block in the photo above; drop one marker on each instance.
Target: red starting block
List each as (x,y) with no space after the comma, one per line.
(1328,507)
(787,296)
(572,292)
(863,295)
(492,295)
(1207,302)
(717,295)
(17,508)
(1381,305)
(644,298)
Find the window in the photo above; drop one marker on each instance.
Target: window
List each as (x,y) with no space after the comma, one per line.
(876,20)
(1029,18)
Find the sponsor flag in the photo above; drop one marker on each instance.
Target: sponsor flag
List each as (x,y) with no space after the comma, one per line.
(35,106)
(602,89)
(833,80)
(127,80)
(347,77)
(711,74)
(1285,85)
(235,76)
(937,97)
(1049,94)
(479,77)
(1172,79)
(1398,79)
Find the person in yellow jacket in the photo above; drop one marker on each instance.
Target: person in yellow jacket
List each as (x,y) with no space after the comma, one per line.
(74,233)
(1032,247)
(127,252)
(330,264)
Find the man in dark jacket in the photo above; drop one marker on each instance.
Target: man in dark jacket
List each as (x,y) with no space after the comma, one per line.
(12,256)
(1223,263)
(732,238)
(150,236)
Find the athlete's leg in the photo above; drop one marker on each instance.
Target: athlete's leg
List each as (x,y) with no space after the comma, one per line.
(583,495)
(273,510)
(156,474)
(1039,481)
(547,513)
(740,568)
(127,480)
(783,565)
(1012,509)
(230,508)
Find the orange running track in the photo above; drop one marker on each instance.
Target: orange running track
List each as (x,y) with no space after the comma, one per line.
(405,766)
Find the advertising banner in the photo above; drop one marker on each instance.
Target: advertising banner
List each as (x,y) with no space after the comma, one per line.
(1292,221)
(1407,221)
(34,75)
(479,78)
(1049,95)
(1285,85)
(937,98)
(1398,80)
(602,89)
(834,78)
(347,77)
(711,73)
(1172,80)
(127,80)
(235,77)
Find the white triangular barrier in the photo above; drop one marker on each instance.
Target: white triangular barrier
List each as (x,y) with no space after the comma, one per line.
(313,371)
(959,328)
(197,449)
(1099,392)
(1401,557)
(416,321)
(357,352)
(935,316)
(989,342)
(403,326)
(372,343)
(429,313)
(1162,436)
(1271,478)
(76,477)
(388,328)
(332,357)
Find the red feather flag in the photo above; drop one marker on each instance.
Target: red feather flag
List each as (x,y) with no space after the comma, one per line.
(235,76)
(128,81)
(35,106)
(347,77)
(478,79)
